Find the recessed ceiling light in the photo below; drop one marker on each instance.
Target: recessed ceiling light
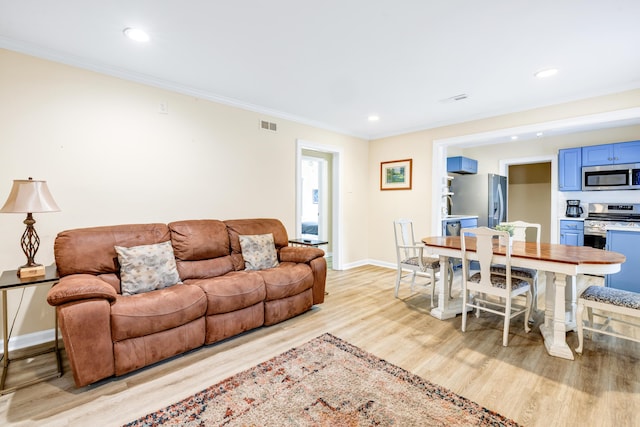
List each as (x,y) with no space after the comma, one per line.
(373,118)
(547,72)
(539,134)
(514,137)
(136,34)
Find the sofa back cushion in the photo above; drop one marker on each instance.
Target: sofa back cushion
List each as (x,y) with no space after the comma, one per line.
(237,227)
(92,250)
(201,248)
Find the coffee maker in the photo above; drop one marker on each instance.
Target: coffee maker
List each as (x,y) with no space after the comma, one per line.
(573,209)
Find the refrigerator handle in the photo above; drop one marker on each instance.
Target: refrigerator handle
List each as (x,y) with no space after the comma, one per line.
(501,208)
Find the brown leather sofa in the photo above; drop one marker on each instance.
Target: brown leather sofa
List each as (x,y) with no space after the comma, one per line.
(106,333)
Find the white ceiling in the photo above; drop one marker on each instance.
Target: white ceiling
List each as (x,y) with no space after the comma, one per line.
(333,63)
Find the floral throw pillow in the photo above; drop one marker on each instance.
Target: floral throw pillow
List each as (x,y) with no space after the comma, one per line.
(258,251)
(146,268)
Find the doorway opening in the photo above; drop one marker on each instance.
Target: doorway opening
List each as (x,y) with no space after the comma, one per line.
(314,196)
(317,198)
(529,195)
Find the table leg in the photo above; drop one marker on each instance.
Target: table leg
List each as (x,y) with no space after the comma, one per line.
(447,307)
(554,327)
(5,340)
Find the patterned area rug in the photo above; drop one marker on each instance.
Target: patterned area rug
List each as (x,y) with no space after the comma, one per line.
(325,382)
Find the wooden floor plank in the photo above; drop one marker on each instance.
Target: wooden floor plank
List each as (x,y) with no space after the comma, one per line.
(521,381)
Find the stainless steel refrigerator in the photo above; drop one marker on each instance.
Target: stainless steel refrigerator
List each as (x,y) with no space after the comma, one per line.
(484,195)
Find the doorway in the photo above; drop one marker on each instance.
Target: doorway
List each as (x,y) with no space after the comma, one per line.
(314,196)
(529,195)
(318,211)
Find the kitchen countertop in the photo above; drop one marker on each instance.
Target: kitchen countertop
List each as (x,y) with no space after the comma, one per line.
(458,217)
(622,228)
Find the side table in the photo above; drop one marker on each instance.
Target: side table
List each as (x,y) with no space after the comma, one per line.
(308,242)
(10,280)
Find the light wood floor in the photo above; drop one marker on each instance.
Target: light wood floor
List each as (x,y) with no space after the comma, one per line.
(522,382)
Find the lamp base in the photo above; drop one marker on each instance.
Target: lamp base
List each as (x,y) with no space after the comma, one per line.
(34,271)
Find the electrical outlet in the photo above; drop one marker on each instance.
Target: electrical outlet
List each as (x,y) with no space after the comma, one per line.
(163,108)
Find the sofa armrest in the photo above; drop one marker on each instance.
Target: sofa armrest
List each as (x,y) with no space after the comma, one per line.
(300,254)
(78,287)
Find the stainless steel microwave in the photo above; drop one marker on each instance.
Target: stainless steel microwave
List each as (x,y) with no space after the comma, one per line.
(611,177)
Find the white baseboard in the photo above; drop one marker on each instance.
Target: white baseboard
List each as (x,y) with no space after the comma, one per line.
(29,340)
(368,262)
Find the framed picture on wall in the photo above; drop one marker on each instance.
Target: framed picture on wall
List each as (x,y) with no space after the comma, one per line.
(395,175)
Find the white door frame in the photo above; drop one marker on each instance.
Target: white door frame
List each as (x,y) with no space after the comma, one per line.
(504,170)
(336,194)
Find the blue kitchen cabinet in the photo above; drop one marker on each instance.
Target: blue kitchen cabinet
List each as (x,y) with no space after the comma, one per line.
(571,232)
(611,154)
(570,169)
(626,243)
(462,165)
(469,223)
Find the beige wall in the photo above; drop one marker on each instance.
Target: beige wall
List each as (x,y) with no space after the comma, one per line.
(385,206)
(110,157)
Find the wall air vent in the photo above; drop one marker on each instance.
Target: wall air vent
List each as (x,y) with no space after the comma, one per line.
(268,125)
(454,98)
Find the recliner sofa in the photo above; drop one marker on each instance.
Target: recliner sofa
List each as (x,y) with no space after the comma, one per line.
(107,333)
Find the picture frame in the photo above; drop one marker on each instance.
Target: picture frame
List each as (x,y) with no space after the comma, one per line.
(396,174)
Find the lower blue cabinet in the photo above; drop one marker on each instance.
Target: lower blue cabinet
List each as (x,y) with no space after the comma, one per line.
(626,243)
(571,232)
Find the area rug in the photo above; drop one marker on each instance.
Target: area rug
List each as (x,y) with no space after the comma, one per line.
(325,382)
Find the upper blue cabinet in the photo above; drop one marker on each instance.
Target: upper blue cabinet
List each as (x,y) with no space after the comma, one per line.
(611,154)
(462,165)
(570,169)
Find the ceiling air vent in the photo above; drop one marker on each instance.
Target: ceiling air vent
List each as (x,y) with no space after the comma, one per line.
(268,125)
(454,98)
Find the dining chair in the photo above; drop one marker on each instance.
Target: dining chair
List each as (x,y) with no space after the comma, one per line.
(616,306)
(520,229)
(484,284)
(410,256)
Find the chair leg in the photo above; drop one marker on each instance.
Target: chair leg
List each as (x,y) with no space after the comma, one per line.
(465,296)
(579,313)
(432,276)
(527,313)
(413,280)
(534,296)
(507,321)
(450,280)
(398,278)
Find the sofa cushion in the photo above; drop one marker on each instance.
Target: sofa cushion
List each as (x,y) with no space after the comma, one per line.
(151,312)
(195,240)
(286,280)
(233,291)
(147,267)
(258,251)
(91,250)
(245,227)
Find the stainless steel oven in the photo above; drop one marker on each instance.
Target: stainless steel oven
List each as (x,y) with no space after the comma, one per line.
(600,216)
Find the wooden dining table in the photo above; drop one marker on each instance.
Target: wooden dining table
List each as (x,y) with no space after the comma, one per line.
(562,265)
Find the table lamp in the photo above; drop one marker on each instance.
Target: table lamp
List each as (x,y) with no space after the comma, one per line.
(29,196)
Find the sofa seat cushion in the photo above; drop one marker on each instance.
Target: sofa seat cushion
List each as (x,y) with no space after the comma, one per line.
(143,314)
(286,280)
(233,291)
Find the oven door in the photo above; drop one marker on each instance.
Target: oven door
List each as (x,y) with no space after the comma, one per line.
(595,240)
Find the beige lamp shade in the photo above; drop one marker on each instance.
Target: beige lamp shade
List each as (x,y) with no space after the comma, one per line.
(29,196)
